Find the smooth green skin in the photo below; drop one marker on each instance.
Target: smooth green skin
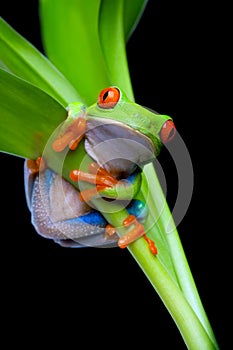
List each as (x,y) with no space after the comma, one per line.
(133,115)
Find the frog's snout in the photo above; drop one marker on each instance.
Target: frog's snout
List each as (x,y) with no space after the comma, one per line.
(167,131)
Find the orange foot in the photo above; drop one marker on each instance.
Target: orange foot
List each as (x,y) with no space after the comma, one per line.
(35,166)
(72,136)
(136,232)
(97,176)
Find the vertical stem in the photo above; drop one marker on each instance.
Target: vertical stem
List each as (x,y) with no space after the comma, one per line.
(183,272)
(190,327)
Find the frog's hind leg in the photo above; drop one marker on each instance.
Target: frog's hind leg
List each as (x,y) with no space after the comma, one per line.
(138,211)
(137,230)
(58,213)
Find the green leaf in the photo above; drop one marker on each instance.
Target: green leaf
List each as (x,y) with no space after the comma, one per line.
(28,116)
(18,56)
(133,10)
(89,40)
(117,21)
(112,38)
(71,41)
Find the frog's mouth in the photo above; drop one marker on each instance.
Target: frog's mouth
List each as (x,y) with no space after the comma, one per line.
(117,147)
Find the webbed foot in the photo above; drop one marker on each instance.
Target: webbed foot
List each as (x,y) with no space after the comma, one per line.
(72,136)
(135,233)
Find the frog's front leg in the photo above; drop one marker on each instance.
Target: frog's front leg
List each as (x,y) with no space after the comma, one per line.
(73,129)
(106,185)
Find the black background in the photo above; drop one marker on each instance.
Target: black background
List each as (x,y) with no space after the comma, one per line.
(92,294)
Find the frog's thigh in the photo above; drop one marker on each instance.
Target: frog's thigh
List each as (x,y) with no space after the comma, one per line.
(58,213)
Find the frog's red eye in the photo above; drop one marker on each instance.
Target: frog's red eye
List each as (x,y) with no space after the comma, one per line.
(108,97)
(167,131)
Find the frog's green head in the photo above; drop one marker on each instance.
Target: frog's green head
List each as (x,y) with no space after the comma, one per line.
(122,135)
(114,105)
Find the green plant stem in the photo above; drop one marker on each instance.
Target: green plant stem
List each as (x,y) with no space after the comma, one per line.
(191,329)
(165,223)
(114,49)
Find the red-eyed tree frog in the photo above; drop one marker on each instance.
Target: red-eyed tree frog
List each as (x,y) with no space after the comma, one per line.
(121,137)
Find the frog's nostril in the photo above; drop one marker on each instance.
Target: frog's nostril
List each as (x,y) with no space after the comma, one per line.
(167,131)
